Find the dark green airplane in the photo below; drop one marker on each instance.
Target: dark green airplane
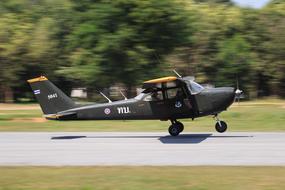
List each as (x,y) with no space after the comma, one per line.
(169,98)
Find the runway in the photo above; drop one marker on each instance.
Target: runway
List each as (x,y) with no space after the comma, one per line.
(146,148)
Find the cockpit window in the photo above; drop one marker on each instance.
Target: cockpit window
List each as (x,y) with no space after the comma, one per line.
(151,96)
(195,87)
(175,93)
(154,96)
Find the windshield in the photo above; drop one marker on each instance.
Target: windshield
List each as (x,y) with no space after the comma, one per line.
(140,96)
(195,88)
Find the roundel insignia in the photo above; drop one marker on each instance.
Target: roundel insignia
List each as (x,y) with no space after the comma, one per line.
(107,111)
(178,104)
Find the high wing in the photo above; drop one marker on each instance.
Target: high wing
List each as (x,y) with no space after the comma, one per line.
(160,82)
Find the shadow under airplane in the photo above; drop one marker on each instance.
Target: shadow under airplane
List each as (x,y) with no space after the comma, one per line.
(182,139)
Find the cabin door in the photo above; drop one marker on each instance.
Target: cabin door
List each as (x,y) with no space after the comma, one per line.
(179,105)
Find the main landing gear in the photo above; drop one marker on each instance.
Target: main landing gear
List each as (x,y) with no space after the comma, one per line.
(220,126)
(175,128)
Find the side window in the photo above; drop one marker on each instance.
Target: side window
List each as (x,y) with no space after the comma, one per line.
(175,93)
(154,96)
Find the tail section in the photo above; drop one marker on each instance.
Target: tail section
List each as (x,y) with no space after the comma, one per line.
(51,99)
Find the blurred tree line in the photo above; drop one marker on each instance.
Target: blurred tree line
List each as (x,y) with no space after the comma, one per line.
(100,43)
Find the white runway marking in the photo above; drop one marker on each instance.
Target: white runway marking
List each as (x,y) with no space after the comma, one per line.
(147,148)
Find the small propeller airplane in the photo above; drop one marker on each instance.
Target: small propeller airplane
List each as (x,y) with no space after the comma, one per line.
(168,98)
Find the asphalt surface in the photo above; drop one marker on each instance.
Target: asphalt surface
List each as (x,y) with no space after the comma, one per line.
(128,148)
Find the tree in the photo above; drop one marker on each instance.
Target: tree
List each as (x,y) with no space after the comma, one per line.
(119,41)
(13,45)
(273,17)
(104,42)
(32,36)
(227,2)
(235,60)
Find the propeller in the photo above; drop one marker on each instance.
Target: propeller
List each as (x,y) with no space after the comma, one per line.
(238,92)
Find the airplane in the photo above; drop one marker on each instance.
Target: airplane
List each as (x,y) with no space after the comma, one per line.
(168,98)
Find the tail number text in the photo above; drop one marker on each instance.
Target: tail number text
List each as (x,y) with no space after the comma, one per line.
(51,96)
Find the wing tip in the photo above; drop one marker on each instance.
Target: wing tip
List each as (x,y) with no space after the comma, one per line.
(38,79)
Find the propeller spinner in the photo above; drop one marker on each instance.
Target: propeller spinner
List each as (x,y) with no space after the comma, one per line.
(238,92)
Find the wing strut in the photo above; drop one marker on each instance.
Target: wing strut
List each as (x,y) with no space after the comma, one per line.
(123,95)
(105,97)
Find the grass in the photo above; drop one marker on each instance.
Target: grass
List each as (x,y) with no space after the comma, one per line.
(265,115)
(261,115)
(136,178)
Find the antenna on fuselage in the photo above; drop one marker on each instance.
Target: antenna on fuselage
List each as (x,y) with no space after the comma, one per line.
(177,73)
(123,95)
(105,97)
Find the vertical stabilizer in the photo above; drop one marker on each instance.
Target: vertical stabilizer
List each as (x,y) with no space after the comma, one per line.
(51,99)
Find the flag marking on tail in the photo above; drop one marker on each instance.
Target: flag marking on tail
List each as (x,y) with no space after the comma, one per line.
(37,91)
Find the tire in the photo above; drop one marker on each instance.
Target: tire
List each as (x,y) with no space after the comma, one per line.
(221,128)
(180,126)
(174,130)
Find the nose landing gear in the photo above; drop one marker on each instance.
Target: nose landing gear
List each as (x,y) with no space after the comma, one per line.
(175,128)
(220,126)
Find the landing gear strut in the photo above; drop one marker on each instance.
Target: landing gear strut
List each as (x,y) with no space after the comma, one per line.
(175,128)
(220,126)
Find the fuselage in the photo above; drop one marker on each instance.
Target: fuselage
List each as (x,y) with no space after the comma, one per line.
(206,102)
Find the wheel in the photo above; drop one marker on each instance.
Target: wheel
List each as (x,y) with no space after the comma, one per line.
(180,125)
(174,130)
(221,126)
